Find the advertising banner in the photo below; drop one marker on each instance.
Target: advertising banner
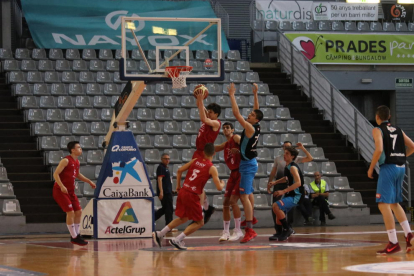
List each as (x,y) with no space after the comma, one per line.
(397,12)
(123,173)
(346,48)
(123,218)
(97,24)
(308,10)
(86,227)
(344,11)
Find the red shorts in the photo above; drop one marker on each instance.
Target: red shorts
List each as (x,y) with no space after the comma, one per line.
(188,206)
(68,202)
(198,154)
(232,187)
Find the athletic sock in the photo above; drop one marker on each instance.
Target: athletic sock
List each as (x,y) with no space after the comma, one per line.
(249,224)
(226,225)
(77,226)
(180,237)
(285,225)
(279,229)
(205,203)
(165,230)
(392,236)
(406,227)
(72,230)
(237,222)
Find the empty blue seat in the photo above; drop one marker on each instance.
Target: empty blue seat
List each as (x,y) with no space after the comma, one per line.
(162,141)
(285,26)
(42,129)
(61,128)
(36,115)
(153,127)
(363,26)
(103,77)
(98,128)
(54,157)
(86,76)
(118,54)
(65,102)
(294,126)
(329,169)
(88,143)
(233,55)
(79,65)
(270,140)
(388,27)
(69,77)
(51,77)
(57,89)
(54,115)
(10,65)
(298,26)
(34,77)
(16,77)
(72,115)
(40,89)
(105,54)
(137,127)
(45,65)
(306,139)
(55,54)
(83,102)
(145,114)
(143,141)
(401,27)
(101,102)
(112,65)
(62,65)
(111,89)
(189,127)
(152,156)
(47,102)
(39,54)
(29,102)
(93,89)
(172,127)
(336,200)
(72,54)
(80,128)
(95,157)
(21,89)
(22,53)
(28,65)
(90,54)
(162,114)
(90,115)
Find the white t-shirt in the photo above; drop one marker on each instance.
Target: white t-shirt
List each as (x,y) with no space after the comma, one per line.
(281,164)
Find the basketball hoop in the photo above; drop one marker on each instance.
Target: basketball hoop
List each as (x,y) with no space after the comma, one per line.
(178,75)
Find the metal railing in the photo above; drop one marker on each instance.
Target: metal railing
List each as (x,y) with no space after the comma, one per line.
(337,108)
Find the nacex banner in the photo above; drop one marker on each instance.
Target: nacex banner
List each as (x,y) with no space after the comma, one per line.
(346,48)
(97,24)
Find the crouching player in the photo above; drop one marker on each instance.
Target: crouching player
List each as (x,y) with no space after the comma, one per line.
(188,202)
(293,193)
(64,190)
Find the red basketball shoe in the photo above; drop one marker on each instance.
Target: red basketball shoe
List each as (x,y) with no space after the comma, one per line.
(390,249)
(409,240)
(250,234)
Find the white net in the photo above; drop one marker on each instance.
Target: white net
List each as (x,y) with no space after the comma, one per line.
(178,78)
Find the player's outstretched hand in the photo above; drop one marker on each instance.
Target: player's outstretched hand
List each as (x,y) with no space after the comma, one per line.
(255,88)
(232,89)
(299,145)
(371,173)
(235,150)
(64,190)
(93,185)
(200,96)
(223,184)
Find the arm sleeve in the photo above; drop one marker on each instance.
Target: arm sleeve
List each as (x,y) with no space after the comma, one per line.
(327,187)
(160,171)
(311,191)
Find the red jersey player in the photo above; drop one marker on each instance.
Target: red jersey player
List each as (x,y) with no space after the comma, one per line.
(188,201)
(208,132)
(64,190)
(232,158)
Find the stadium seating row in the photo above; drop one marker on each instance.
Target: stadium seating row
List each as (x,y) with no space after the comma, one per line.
(112,65)
(352,26)
(103,77)
(113,89)
(105,54)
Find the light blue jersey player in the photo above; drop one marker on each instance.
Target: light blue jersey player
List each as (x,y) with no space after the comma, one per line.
(392,147)
(248,164)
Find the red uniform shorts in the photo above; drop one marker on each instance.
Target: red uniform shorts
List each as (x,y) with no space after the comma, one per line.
(68,202)
(198,154)
(232,187)
(188,205)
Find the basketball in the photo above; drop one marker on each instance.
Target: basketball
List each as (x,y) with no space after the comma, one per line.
(200,89)
(208,63)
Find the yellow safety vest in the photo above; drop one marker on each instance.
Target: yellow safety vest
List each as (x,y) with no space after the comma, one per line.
(316,189)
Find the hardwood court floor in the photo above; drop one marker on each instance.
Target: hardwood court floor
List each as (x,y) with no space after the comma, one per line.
(311,251)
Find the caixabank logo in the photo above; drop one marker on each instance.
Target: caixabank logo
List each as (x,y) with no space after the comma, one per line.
(126,214)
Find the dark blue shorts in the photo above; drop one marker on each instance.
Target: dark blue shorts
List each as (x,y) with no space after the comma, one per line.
(389,188)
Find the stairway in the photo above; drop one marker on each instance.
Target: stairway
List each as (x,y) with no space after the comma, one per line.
(24,163)
(322,131)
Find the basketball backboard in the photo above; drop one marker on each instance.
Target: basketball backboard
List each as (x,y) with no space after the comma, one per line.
(150,44)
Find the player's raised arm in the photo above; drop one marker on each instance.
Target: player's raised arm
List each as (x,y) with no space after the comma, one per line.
(236,112)
(308,157)
(255,96)
(62,164)
(376,134)
(409,145)
(180,171)
(202,111)
(214,174)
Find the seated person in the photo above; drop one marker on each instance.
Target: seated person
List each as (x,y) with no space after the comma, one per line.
(319,192)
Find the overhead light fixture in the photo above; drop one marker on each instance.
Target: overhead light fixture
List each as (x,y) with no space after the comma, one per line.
(366,80)
(364,1)
(405,1)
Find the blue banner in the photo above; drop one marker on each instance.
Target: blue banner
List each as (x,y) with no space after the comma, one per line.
(84,24)
(123,172)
